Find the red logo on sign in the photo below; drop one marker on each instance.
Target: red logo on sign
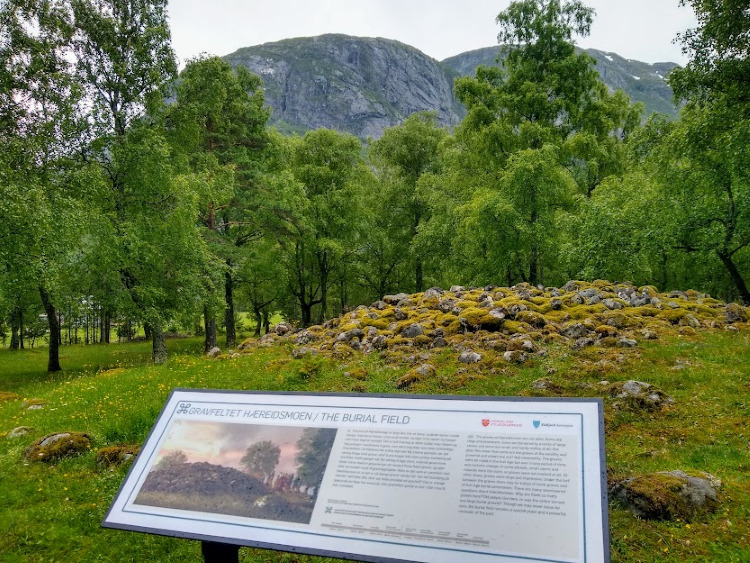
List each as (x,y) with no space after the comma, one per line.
(485,422)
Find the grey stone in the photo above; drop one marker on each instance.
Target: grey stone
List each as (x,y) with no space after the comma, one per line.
(413,330)
(298,353)
(583,342)
(439,342)
(612,304)
(426,370)
(19,431)
(627,343)
(380,342)
(400,315)
(213,352)
(394,299)
(282,328)
(457,289)
(433,292)
(446,305)
(470,357)
(514,356)
(575,330)
(669,495)
(589,293)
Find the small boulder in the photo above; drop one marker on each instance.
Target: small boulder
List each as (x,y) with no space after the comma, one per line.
(19,431)
(380,342)
(282,328)
(672,495)
(639,394)
(432,292)
(400,315)
(735,313)
(213,352)
(575,330)
(514,356)
(395,299)
(612,304)
(439,342)
(413,330)
(545,384)
(299,353)
(116,455)
(57,446)
(469,357)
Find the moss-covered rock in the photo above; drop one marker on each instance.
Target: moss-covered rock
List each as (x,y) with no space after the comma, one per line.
(8,396)
(673,495)
(117,455)
(57,446)
(638,395)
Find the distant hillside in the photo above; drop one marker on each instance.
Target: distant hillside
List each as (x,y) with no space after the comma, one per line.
(357,85)
(643,82)
(364,85)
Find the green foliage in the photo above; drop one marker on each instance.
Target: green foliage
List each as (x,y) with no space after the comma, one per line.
(261,459)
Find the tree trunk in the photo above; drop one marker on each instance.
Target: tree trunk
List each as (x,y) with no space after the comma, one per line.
(209,320)
(229,311)
(266,321)
(323,264)
(16,326)
(159,348)
(306,313)
(419,276)
(148,330)
(534,265)
(736,276)
(258,321)
(53,359)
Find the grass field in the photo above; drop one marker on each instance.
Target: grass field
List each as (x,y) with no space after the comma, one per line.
(52,512)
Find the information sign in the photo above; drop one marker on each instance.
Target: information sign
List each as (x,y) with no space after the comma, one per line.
(431,479)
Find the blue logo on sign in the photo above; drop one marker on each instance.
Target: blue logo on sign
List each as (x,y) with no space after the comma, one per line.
(536,423)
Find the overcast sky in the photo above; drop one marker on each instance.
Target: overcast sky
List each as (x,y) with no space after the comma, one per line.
(636,29)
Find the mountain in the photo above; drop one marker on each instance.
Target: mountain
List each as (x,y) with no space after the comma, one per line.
(643,82)
(352,84)
(364,85)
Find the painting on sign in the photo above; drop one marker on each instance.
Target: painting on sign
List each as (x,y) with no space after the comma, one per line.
(253,471)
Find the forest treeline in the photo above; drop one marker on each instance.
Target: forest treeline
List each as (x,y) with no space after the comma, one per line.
(134,195)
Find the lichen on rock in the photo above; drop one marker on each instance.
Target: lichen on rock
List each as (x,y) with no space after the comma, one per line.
(672,495)
(59,445)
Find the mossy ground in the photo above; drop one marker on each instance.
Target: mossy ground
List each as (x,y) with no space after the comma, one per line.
(52,512)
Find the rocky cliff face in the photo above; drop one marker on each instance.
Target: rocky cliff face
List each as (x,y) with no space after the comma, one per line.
(643,82)
(364,85)
(351,84)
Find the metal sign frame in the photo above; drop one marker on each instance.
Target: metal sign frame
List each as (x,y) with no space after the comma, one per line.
(375,478)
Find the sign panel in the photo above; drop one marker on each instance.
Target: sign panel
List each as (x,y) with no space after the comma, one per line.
(375,478)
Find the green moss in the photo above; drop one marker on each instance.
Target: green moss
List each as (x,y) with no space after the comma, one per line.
(422,340)
(606,330)
(515,327)
(531,318)
(117,455)
(658,496)
(380,324)
(57,446)
(674,316)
